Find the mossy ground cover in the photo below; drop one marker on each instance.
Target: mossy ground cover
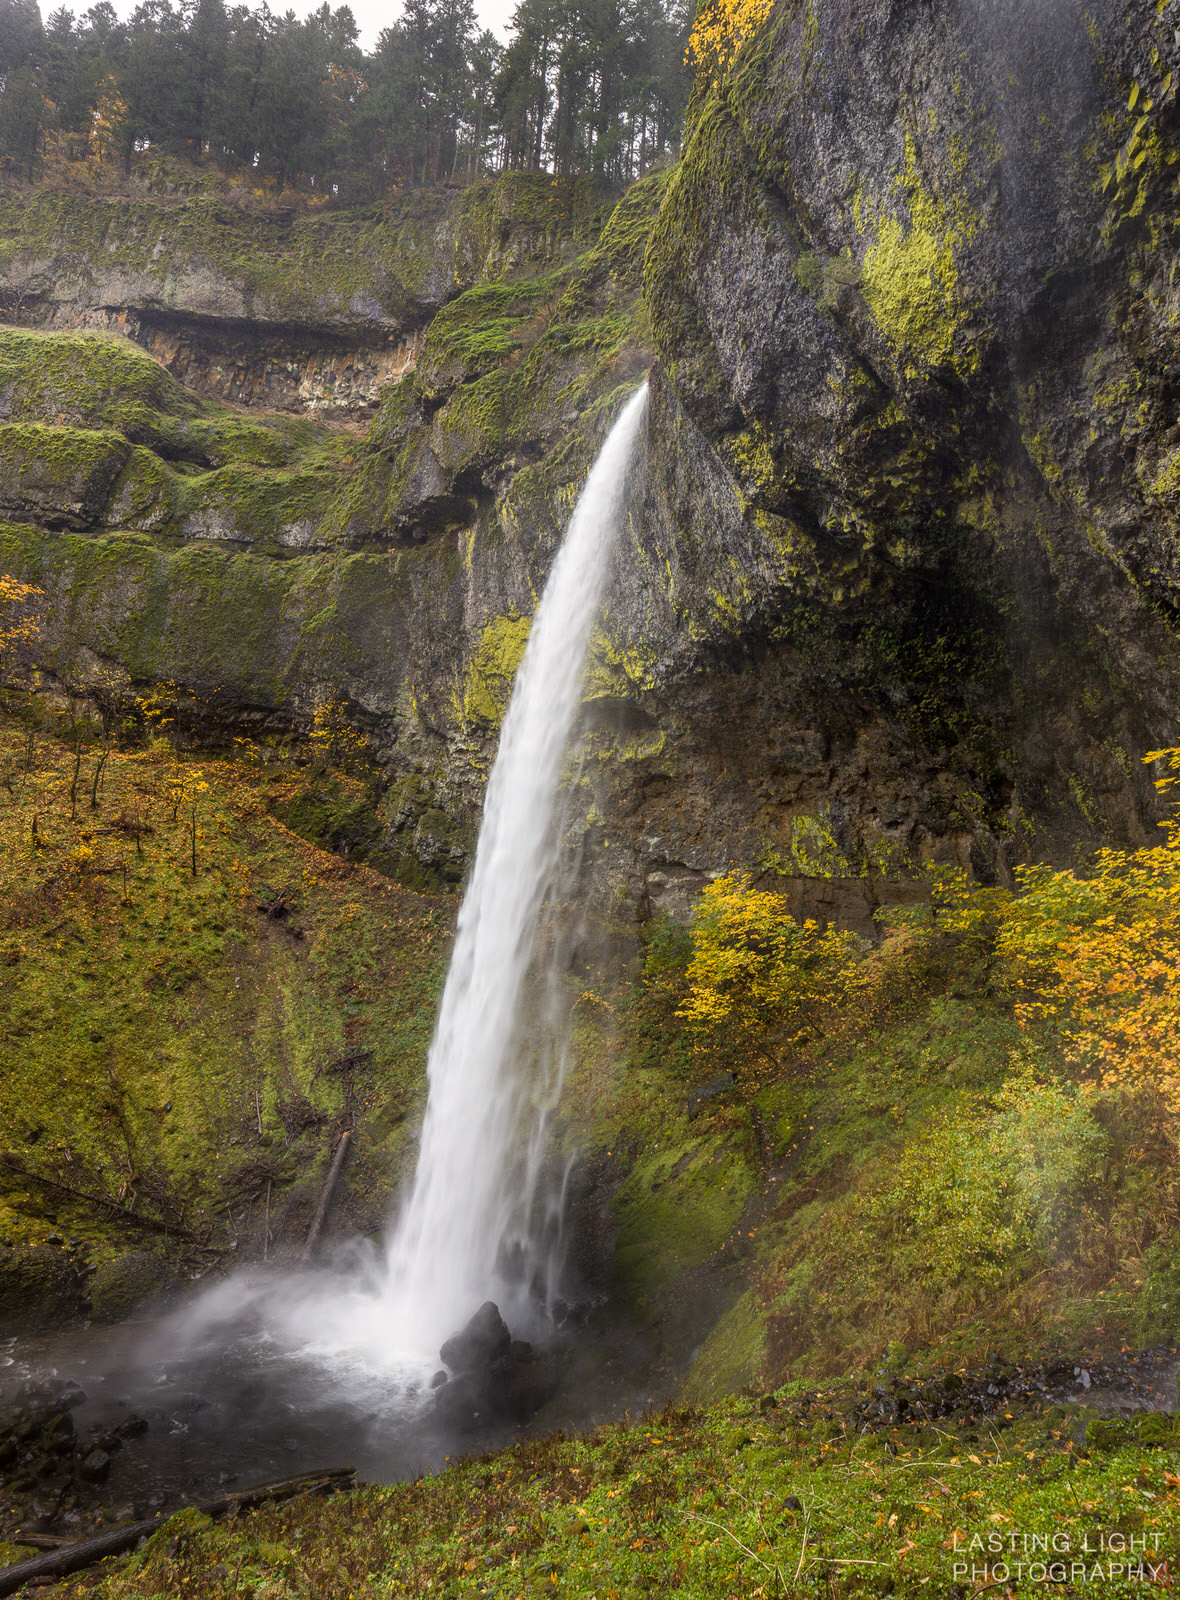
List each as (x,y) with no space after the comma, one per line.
(166,1032)
(779,1496)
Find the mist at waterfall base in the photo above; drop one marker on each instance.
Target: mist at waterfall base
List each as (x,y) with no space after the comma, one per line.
(269,1372)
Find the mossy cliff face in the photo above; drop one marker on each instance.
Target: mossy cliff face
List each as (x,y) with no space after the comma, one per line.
(909,573)
(263,307)
(273,566)
(900,576)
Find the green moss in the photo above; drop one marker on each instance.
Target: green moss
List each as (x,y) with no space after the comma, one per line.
(617,667)
(678,1205)
(910,272)
(255,505)
(1166,483)
(87,380)
(58,475)
(159,1021)
(126,1282)
(89,393)
(731,1355)
(491,671)
(478,331)
(342,266)
(146,493)
(814,851)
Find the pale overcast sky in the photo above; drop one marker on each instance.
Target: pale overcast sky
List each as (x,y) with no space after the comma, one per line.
(373,15)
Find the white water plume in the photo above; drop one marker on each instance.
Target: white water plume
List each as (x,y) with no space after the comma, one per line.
(470,1189)
(478,1223)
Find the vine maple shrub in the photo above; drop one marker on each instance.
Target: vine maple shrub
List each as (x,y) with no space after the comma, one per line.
(19,622)
(721,28)
(1097,959)
(757,978)
(1089,960)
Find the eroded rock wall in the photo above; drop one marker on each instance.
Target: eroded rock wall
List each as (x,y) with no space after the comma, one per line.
(899,584)
(912,437)
(310,313)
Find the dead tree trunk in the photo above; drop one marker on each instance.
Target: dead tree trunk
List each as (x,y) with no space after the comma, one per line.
(321,1212)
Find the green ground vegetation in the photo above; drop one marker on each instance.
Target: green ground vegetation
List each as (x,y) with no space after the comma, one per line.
(777,1496)
(182,976)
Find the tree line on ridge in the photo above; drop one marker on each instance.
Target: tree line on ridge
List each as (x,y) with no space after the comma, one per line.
(591,88)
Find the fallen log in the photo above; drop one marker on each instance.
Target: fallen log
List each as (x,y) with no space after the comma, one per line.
(321,1213)
(85,1552)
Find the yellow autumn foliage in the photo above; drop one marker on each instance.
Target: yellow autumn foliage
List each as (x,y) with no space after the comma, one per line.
(1098,959)
(19,622)
(333,740)
(721,28)
(1092,961)
(756,977)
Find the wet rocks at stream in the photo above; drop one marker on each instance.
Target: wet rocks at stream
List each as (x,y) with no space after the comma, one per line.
(54,1479)
(492,1378)
(1104,1401)
(1142,1380)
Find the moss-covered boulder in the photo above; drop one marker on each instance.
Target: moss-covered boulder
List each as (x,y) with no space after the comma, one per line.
(59,477)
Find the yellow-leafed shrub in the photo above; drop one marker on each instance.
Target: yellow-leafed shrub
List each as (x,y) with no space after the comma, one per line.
(757,979)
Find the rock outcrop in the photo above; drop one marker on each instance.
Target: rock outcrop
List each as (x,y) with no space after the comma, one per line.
(901,579)
(308,314)
(494,1378)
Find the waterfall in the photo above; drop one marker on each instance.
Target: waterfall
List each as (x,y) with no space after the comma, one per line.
(472,1178)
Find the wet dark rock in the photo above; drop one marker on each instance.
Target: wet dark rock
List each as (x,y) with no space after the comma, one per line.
(1139,1380)
(464,1402)
(128,1283)
(96,1466)
(40,1288)
(484,1341)
(700,1099)
(52,1477)
(497,1379)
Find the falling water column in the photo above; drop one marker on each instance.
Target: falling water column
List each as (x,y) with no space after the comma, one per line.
(442,1258)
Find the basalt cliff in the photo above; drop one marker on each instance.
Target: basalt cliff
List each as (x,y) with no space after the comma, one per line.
(901,581)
